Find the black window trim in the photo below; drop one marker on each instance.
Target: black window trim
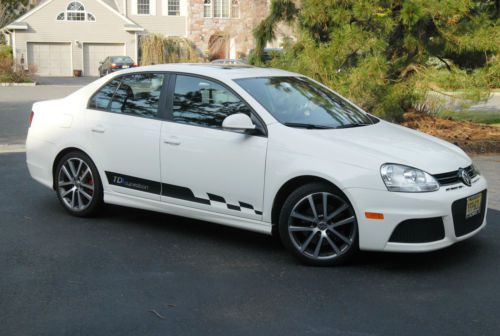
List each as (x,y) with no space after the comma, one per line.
(170,101)
(160,112)
(165,106)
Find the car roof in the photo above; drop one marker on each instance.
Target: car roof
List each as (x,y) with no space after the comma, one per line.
(220,71)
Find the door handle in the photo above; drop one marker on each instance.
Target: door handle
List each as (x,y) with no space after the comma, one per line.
(98,129)
(174,141)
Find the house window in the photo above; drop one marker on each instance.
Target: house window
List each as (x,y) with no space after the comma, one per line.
(235,9)
(174,7)
(143,7)
(75,12)
(221,8)
(207,8)
(76,7)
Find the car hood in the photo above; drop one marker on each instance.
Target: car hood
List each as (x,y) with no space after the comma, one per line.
(385,142)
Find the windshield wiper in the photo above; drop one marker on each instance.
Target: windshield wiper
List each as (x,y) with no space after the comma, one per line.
(308,126)
(352,125)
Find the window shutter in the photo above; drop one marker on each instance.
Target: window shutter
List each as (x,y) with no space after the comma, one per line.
(164,7)
(152,7)
(183,8)
(134,7)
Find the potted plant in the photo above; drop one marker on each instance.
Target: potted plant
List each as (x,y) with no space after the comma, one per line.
(77,73)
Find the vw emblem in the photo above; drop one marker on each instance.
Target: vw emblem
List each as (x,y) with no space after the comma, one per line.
(464,176)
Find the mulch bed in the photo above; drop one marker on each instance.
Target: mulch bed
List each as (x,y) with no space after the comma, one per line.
(471,137)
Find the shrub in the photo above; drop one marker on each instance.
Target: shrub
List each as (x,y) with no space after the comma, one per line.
(158,49)
(9,73)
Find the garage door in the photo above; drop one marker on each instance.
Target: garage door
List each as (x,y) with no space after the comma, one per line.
(93,53)
(50,59)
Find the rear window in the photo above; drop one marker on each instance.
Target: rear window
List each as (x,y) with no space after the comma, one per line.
(122,59)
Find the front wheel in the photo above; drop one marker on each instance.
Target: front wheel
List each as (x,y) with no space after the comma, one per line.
(78,185)
(318,225)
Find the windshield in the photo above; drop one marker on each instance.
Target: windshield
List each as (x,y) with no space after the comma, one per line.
(300,102)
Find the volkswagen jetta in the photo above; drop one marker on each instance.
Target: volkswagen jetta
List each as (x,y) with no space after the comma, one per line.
(258,149)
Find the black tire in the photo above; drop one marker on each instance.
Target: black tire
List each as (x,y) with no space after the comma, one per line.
(82,185)
(320,231)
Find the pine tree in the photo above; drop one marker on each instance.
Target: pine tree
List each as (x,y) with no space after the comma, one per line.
(386,55)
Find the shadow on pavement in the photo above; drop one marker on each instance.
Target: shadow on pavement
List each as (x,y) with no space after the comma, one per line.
(187,229)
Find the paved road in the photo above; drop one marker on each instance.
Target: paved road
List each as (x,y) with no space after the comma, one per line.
(105,276)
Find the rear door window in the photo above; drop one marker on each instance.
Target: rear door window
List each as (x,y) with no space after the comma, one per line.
(135,94)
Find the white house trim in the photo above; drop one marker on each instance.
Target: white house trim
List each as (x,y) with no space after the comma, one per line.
(13,26)
(14,51)
(36,9)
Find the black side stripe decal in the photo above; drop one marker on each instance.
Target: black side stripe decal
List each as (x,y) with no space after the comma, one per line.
(184,193)
(216,198)
(132,182)
(170,190)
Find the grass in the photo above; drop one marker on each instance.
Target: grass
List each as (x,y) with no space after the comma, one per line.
(483,117)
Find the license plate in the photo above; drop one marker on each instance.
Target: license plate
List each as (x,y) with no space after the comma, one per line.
(125,66)
(473,205)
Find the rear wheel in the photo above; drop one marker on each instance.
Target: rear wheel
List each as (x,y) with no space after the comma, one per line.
(78,185)
(318,225)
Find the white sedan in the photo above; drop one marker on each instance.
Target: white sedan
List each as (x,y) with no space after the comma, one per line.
(259,149)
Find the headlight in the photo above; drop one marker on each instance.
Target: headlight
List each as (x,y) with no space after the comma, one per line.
(475,171)
(407,179)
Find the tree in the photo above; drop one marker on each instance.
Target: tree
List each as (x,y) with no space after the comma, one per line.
(387,54)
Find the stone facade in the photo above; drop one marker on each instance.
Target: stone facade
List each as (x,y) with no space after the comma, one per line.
(234,35)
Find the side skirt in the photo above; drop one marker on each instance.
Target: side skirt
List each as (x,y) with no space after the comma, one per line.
(179,210)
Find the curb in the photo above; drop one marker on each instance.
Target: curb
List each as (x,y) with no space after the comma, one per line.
(18,84)
(12,148)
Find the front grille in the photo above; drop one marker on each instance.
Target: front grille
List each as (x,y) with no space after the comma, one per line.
(421,230)
(464,226)
(452,177)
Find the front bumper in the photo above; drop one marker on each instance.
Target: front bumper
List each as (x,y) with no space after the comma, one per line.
(399,207)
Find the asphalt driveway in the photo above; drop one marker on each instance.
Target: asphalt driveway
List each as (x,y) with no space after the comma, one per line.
(133,272)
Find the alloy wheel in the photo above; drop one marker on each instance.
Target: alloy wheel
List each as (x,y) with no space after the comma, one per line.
(76,184)
(322,226)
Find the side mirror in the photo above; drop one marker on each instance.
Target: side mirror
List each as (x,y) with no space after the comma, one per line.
(238,122)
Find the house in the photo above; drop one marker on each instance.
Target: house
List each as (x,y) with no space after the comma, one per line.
(59,36)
